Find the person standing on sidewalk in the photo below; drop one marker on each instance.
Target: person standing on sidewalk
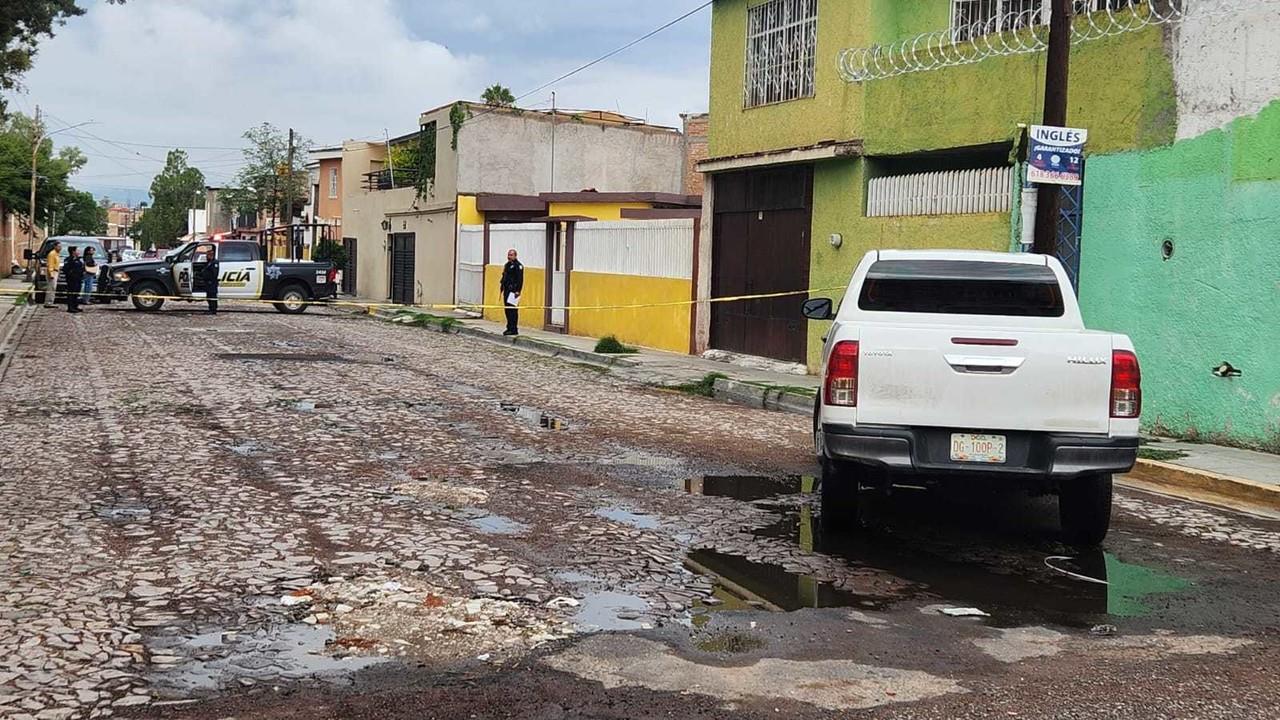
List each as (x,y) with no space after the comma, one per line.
(52,267)
(90,276)
(209,274)
(511,286)
(73,272)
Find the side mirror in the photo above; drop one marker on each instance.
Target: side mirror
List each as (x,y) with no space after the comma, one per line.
(818,309)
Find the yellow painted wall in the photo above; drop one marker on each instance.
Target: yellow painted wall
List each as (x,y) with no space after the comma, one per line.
(599,211)
(534,296)
(467,212)
(665,328)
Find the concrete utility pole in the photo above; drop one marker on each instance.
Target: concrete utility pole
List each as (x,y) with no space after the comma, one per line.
(553,141)
(36,138)
(288,201)
(1056,71)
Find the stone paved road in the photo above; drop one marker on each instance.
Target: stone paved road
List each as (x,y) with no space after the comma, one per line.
(261,515)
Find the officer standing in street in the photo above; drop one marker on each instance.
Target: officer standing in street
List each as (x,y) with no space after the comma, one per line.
(511,286)
(210,274)
(73,273)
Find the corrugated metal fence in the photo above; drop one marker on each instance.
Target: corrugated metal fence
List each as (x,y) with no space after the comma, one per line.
(652,248)
(952,192)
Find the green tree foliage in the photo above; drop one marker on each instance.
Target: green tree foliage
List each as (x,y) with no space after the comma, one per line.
(266,181)
(78,213)
(22,24)
(331,250)
(177,189)
(498,96)
(17,132)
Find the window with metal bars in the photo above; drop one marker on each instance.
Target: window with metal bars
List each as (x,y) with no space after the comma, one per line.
(782,39)
(975,18)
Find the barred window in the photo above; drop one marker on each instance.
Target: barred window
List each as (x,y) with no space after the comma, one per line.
(975,18)
(782,39)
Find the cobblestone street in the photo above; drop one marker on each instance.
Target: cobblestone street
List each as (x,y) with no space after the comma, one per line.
(261,515)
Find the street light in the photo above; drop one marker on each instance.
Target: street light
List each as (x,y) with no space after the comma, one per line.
(37,141)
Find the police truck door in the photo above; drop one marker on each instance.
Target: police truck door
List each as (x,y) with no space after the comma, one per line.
(198,263)
(241,270)
(182,271)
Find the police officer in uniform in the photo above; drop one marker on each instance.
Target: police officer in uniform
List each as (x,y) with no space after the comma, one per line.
(209,274)
(511,285)
(73,273)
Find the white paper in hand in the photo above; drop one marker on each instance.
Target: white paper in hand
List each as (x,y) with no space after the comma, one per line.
(513,299)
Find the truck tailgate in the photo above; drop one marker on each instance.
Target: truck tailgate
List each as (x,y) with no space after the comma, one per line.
(992,378)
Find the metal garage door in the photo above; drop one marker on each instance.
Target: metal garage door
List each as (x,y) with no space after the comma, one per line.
(760,245)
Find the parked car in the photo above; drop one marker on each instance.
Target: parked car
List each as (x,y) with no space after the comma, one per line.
(244,275)
(68,241)
(955,366)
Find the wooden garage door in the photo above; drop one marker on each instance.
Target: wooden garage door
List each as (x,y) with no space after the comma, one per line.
(760,245)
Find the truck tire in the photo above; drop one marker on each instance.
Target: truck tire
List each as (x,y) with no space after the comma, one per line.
(840,488)
(147,296)
(292,299)
(1084,509)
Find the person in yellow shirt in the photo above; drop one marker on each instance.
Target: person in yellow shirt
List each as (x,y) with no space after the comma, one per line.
(52,266)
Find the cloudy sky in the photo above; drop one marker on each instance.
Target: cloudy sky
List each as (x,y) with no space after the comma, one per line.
(197,73)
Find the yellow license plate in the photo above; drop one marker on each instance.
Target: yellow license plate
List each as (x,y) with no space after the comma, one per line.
(966,447)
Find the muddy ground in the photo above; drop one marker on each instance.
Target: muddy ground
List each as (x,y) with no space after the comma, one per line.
(261,516)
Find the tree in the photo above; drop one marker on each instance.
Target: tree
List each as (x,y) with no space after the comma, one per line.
(22,24)
(78,213)
(498,96)
(266,182)
(17,132)
(177,189)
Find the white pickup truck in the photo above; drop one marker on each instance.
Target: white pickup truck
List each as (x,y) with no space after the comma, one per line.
(959,366)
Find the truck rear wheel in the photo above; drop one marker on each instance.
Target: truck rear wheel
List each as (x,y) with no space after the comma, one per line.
(292,300)
(147,296)
(1084,509)
(840,489)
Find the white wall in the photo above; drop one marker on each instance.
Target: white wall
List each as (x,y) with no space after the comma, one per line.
(652,248)
(512,154)
(1226,62)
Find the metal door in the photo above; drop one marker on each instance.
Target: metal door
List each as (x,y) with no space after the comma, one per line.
(760,245)
(349,267)
(558,276)
(402,268)
(1070,222)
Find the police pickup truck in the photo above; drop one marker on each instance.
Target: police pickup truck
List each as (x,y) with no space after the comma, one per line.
(243,275)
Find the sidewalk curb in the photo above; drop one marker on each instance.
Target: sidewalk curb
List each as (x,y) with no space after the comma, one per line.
(1176,478)
(769,398)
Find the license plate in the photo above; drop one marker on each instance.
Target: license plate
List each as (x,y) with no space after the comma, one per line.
(966,447)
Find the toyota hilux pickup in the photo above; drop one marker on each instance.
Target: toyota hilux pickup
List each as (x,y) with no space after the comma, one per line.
(243,274)
(965,366)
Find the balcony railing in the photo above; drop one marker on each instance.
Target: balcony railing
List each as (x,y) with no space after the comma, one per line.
(391,179)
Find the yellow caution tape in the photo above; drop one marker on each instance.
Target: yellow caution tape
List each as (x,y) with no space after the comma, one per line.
(455,306)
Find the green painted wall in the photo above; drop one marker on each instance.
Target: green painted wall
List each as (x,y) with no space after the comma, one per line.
(1121,88)
(1217,197)
(839,206)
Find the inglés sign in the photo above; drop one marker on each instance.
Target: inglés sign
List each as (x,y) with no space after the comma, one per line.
(1057,155)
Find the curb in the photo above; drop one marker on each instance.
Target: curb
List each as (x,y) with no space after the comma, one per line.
(1178,479)
(769,398)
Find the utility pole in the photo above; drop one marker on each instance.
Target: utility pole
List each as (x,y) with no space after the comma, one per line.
(288,202)
(553,141)
(1056,71)
(36,139)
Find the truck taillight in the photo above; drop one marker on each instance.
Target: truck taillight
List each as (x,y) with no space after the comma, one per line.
(333,275)
(842,374)
(1126,385)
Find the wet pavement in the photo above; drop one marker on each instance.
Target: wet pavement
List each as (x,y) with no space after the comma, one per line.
(325,516)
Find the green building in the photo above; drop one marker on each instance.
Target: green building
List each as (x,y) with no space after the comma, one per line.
(841,126)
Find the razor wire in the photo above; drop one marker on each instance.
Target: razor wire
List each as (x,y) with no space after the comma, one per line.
(1015,32)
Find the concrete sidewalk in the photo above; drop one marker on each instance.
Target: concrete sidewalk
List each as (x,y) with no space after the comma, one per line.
(15,308)
(1223,475)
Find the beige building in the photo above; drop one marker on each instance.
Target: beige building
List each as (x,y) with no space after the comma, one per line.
(405,241)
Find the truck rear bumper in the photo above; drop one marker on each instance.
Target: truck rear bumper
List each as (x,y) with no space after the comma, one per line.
(928,450)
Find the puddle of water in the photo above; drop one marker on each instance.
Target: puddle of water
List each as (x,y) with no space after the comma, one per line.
(498,525)
(731,642)
(124,514)
(218,659)
(748,487)
(627,517)
(536,417)
(608,610)
(742,584)
(249,448)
